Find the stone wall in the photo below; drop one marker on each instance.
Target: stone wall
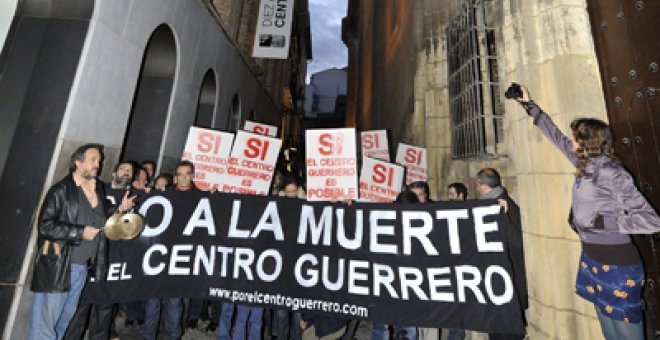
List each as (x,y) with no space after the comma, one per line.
(548,46)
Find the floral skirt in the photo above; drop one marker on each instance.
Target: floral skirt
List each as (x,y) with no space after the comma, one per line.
(616,290)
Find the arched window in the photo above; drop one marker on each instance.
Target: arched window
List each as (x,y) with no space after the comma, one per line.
(151,101)
(234,118)
(206,101)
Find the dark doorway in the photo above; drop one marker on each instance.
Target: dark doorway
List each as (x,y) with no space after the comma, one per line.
(151,102)
(206,102)
(234,118)
(628,51)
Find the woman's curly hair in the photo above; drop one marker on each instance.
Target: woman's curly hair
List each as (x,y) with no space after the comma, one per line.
(594,138)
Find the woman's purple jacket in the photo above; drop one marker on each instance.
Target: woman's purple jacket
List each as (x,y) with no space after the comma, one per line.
(606,203)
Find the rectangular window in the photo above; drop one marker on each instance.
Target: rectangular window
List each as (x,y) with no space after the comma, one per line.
(476,108)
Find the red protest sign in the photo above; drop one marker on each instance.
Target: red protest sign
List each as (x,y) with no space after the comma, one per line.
(260,128)
(374,145)
(380,181)
(415,160)
(251,164)
(209,151)
(331,164)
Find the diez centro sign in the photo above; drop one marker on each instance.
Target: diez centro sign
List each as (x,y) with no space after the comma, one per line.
(273,33)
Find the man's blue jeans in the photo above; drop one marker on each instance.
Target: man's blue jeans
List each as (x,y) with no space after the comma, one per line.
(225,321)
(248,319)
(172,315)
(51,312)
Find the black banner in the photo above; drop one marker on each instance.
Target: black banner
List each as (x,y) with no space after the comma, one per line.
(436,265)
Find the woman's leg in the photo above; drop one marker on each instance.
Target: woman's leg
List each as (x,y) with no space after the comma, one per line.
(619,330)
(629,331)
(606,325)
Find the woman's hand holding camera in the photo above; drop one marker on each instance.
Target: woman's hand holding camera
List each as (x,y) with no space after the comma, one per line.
(521,94)
(517,92)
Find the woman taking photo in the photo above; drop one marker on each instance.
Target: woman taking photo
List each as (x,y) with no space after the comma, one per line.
(606,208)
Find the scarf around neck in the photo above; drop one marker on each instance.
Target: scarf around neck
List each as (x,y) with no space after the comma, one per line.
(493,193)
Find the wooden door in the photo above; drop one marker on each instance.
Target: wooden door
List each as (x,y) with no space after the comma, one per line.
(627,40)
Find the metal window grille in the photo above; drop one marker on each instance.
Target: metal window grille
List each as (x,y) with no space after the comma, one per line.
(476,107)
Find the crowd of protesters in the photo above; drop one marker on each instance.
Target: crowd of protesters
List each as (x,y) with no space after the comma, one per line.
(71,251)
(57,313)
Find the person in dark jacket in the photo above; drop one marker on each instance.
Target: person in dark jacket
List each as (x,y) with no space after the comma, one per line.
(489,186)
(71,216)
(606,208)
(93,319)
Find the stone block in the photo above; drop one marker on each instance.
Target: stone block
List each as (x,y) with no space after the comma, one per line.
(421,82)
(528,198)
(440,75)
(432,162)
(551,266)
(577,74)
(565,30)
(533,264)
(561,267)
(438,133)
(587,326)
(541,323)
(530,38)
(545,5)
(449,167)
(563,258)
(442,102)
(540,279)
(516,138)
(565,324)
(570,325)
(553,204)
(429,103)
(511,59)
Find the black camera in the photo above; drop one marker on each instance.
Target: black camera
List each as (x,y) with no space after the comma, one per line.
(514,91)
